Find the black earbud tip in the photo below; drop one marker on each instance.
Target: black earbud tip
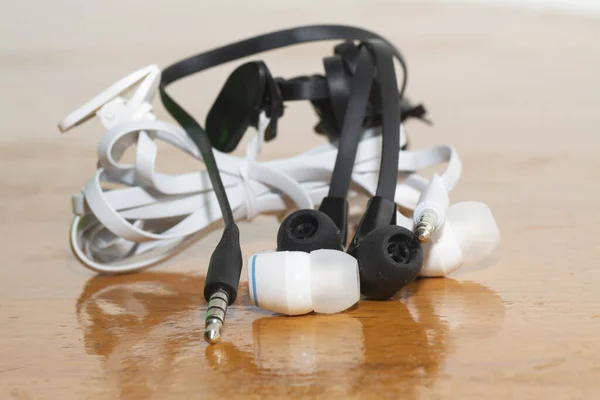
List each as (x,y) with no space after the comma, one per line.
(389,258)
(308,230)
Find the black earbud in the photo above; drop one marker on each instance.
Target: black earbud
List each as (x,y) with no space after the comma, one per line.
(389,256)
(309,230)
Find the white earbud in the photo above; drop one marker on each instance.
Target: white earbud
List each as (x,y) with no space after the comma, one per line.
(294,282)
(469,235)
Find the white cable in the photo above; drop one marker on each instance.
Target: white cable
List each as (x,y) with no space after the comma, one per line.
(148,76)
(155,215)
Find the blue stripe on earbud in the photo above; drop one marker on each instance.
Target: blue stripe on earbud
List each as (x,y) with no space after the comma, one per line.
(254,279)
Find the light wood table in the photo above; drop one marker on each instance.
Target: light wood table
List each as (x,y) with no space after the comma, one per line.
(517,93)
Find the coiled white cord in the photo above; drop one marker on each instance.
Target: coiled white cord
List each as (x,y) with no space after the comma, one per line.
(157,215)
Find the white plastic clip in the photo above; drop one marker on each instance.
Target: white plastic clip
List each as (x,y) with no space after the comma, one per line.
(111,108)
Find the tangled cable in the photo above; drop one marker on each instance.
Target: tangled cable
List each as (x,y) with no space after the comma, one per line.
(155,215)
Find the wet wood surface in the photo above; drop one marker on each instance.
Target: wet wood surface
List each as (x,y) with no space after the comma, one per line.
(516,92)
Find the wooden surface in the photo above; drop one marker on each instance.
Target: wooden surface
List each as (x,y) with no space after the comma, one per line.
(517,92)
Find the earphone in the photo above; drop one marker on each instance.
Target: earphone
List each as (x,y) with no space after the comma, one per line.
(125,230)
(389,256)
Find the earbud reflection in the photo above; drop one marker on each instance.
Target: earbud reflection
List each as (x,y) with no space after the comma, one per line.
(303,345)
(147,328)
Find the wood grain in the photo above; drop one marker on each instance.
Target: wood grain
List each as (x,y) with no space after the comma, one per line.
(515,91)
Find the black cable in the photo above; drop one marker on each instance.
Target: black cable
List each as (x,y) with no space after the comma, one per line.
(339,86)
(244,48)
(303,88)
(381,208)
(272,41)
(354,114)
(352,126)
(200,138)
(388,170)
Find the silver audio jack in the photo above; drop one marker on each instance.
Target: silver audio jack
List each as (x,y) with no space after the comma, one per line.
(215,316)
(425,226)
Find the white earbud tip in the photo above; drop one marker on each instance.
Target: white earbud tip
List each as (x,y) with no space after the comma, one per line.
(334,281)
(469,235)
(279,281)
(475,229)
(295,282)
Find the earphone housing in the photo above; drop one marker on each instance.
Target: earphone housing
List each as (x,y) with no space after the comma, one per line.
(296,282)
(389,259)
(469,235)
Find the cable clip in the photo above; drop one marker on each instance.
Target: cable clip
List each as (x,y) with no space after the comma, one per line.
(112,108)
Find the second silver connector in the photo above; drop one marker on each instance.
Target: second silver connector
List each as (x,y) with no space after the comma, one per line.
(215,316)
(425,226)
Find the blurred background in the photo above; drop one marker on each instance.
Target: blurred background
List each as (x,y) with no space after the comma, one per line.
(56,55)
